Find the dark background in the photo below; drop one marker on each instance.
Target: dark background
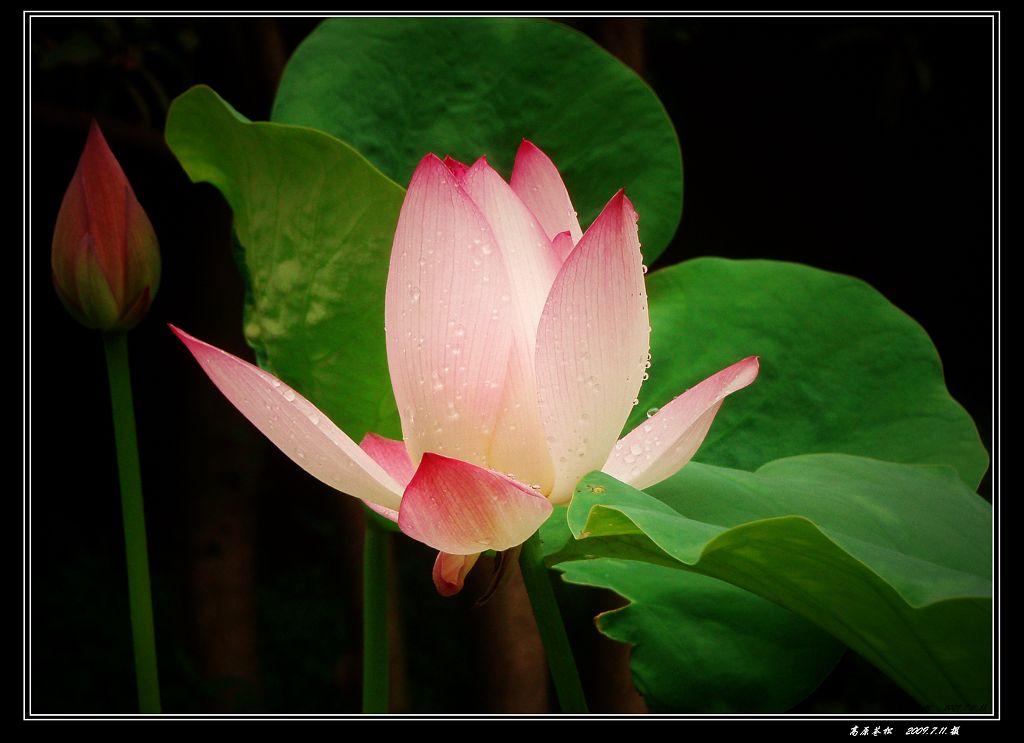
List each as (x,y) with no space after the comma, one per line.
(859,145)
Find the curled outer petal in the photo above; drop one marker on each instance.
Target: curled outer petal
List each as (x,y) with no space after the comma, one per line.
(295,426)
(659,448)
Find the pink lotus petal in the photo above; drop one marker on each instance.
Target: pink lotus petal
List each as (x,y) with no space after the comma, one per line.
(450,572)
(457,168)
(562,245)
(295,426)
(660,447)
(538,183)
(456,507)
(518,447)
(391,455)
(525,248)
(592,346)
(448,319)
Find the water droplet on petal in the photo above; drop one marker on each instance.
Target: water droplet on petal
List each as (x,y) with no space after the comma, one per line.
(288,394)
(651,412)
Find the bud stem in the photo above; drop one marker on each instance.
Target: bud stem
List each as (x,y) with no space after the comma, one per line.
(375,618)
(552,630)
(140,601)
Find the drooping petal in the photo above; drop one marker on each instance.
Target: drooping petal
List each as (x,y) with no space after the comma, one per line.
(518,446)
(459,508)
(447,319)
(592,345)
(538,183)
(295,426)
(660,447)
(450,572)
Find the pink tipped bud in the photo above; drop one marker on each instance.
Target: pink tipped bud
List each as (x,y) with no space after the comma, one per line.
(105,260)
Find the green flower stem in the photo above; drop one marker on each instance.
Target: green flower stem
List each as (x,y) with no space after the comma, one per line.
(552,631)
(139,598)
(375,619)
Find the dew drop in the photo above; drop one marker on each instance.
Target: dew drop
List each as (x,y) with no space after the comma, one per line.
(636,449)
(486,248)
(651,412)
(643,268)
(288,395)
(635,402)
(414,294)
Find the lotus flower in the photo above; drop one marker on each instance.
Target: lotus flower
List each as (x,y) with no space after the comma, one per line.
(105,259)
(516,345)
